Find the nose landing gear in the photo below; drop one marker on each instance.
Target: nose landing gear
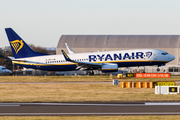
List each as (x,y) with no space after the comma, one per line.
(158,69)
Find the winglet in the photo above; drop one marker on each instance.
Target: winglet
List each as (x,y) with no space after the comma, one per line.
(69,49)
(65,56)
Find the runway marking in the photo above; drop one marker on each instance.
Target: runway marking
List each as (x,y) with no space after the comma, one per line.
(138,113)
(163,103)
(9,105)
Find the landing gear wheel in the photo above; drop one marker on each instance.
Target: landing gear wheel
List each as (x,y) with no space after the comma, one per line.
(158,69)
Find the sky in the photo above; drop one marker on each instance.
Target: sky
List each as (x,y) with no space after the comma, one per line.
(42,22)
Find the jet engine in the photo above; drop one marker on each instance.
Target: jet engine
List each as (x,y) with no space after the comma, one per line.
(109,68)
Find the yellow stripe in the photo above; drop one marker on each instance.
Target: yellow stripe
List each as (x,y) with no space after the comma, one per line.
(65,54)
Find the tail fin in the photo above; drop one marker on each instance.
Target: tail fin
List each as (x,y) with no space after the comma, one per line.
(19,47)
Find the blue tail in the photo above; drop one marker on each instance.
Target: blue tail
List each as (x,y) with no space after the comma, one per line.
(19,47)
(65,56)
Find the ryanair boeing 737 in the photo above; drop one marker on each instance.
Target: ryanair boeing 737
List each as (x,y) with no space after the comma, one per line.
(107,61)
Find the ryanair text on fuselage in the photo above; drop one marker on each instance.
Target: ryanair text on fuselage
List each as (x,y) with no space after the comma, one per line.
(120,56)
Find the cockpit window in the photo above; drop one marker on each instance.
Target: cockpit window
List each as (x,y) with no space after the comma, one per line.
(164,53)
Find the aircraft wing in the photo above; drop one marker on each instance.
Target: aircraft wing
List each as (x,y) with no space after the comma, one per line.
(82,65)
(69,49)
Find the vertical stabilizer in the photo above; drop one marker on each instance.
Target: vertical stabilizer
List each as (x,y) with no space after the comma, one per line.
(19,47)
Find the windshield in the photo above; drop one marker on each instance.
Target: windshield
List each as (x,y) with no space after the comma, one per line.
(164,53)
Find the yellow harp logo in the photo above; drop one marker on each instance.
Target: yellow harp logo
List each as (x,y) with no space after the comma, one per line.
(17,45)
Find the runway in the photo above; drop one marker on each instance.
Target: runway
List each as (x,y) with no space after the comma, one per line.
(98,108)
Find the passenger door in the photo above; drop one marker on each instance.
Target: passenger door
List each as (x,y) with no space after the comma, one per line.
(154,56)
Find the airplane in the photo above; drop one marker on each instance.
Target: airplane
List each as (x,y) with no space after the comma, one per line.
(4,70)
(106,61)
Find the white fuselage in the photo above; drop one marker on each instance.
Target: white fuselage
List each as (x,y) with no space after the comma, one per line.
(124,58)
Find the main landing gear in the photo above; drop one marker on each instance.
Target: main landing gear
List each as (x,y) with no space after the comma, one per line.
(91,72)
(158,69)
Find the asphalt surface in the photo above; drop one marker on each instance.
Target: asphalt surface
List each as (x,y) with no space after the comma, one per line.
(79,109)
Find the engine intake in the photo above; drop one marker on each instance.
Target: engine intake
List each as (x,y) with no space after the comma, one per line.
(109,68)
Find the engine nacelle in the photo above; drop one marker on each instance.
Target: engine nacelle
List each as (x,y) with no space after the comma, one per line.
(109,68)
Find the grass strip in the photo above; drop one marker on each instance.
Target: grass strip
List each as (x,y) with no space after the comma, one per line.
(78,93)
(97,78)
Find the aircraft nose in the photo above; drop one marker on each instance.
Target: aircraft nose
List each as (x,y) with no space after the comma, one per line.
(171,57)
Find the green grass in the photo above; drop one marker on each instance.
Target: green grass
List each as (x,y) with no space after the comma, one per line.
(77,92)
(52,78)
(77,78)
